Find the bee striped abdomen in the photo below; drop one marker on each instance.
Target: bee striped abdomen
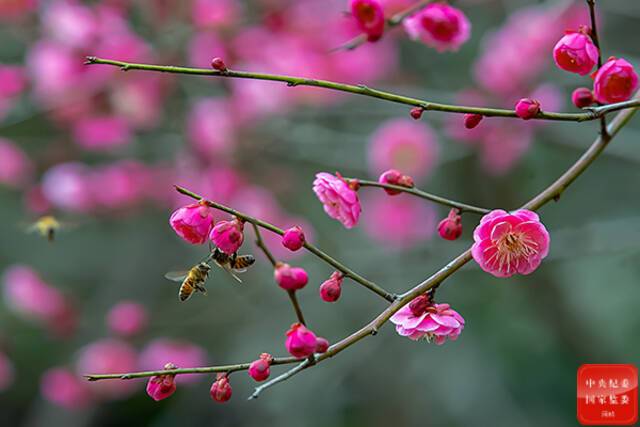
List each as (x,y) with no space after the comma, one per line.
(186,290)
(243,261)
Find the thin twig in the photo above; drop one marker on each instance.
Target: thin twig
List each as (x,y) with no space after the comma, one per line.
(596,42)
(296,307)
(463,207)
(592,114)
(260,243)
(310,247)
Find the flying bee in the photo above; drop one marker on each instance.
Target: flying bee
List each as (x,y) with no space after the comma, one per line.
(192,280)
(232,263)
(47,226)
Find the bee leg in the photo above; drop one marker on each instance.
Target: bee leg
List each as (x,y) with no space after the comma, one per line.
(234,259)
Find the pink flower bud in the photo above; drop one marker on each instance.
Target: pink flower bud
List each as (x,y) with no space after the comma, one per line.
(300,342)
(331,288)
(259,369)
(440,26)
(472,120)
(221,389)
(576,53)
(322,345)
(192,222)
(370,17)
(127,318)
(160,387)
(419,304)
(395,177)
(228,236)
(582,97)
(416,113)
(293,238)
(527,108)
(615,81)
(450,228)
(218,64)
(290,278)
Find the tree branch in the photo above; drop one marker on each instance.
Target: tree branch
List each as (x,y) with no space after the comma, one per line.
(591,114)
(596,42)
(346,271)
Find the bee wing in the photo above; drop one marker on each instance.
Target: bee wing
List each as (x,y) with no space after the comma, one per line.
(176,276)
(240,270)
(228,270)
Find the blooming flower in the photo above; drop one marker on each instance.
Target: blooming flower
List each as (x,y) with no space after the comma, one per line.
(290,278)
(192,222)
(615,81)
(293,238)
(576,53)
(127,318)
(300,342)
(331,288)
(510,243)
(370,17)
(423,319)
(259,369)
(339,200)
(162,386)
(228,235)
(221,389)
(405,145)
(440,26)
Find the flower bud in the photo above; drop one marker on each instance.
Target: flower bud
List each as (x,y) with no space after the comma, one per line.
(576,53)
(419,305)
(293,238)
(472,120)
(218,64)
(192,222)
(582,97)
(160,387)
(416,113)
(395,177)
(331,288)
(450,228)
(322,345)
(228,235)
(527,108)
(615,81)
(290,278)
(221,389)
(300,342)
(259,369)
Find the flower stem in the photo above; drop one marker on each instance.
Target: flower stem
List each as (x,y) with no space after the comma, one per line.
(355,89)
(596,42)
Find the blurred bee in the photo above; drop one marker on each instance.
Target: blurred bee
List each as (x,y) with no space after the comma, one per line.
(232,263)
(47,226)
(192,280)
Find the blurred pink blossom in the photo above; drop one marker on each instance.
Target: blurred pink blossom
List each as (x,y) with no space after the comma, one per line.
(27,294)
(64,388)
(12,80)
(440,26)
(210,127)
(203,47)
(161,351)
(127,318)
(15,166)
(215,13)
(12,9)
(118,185)
(102,132)
(405,145)
(67,187)
(69,22)
(107,356)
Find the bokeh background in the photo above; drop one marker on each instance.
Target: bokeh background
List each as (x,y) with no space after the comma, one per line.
(101,149)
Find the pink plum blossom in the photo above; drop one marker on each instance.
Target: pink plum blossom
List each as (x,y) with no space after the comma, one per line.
(107,356)
(290,278)
(65,388)
(102,132)
(127,318)
(293,238)
(339,200)
(157,353)
(576,53)
(160,387)
(221,389)
(203,47)
(510,243)
(322,345)
(370,17)
(527,108)
(331,288)
(431,321)
(12,80)
(193,222)
(582,97)
(70,23)
(300,342)
(210,127)
(440,26)
(66,186)
(450,228)
(405,145)
(15,166)
(228,236)
(215,13)
(259,369)
(615,81)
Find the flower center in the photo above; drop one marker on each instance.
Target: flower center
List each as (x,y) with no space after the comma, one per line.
(513,247)
(366,13)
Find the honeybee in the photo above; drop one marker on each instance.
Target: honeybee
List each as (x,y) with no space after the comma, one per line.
(232,263)
(47,226)
(192,280)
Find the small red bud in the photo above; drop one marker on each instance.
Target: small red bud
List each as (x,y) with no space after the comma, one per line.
(293,238)
(331,289)
(416,113)
(322,345)
(527,108)
(450,228)
(472,120)
(218,64)
(259,369)
(395,177)
(582,97)
(221,389)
